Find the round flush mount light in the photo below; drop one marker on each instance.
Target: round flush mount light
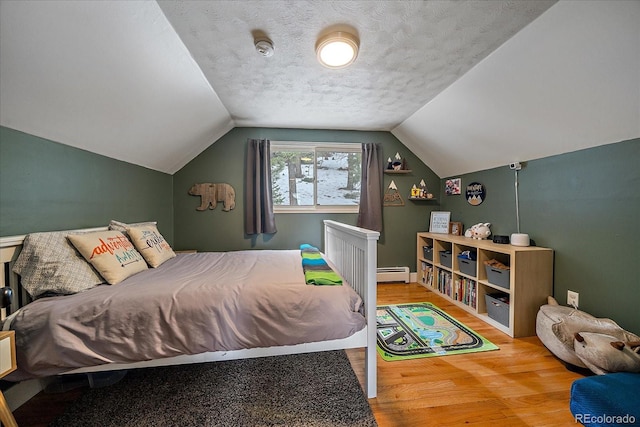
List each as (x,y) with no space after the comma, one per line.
(337,50)
(264,46)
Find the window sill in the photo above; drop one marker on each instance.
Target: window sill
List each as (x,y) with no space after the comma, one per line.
(316,210)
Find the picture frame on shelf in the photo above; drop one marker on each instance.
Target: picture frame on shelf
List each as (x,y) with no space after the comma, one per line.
(455,228)
(439,222)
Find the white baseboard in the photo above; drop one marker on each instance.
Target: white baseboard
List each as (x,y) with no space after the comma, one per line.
(392,274)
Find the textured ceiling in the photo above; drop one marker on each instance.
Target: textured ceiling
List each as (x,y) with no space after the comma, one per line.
(465,85)
(409,52)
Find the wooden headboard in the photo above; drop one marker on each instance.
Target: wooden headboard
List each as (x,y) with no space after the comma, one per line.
(10,248)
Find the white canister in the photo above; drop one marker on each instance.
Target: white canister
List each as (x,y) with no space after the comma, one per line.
(520,239)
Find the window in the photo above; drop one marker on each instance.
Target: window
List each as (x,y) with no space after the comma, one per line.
(315,176)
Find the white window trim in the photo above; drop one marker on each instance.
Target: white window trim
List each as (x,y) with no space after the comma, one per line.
(345,147)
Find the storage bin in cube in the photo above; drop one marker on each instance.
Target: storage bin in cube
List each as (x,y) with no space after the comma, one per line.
(467,266)
(498,276)
(445,258)
(427,252)
(498,307)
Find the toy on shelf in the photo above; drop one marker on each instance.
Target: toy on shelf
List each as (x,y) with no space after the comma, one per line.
(479,231)
(420,193)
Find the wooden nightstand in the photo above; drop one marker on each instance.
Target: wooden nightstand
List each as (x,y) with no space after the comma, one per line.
(7,365)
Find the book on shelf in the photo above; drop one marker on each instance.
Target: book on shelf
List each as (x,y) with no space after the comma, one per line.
(427,274)
(465,291)
(444,282)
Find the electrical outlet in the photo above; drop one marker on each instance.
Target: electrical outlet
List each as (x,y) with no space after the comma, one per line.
(572,298)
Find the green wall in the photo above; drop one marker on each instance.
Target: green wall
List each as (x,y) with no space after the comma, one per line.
(47,186)
(585,205)
(215,230)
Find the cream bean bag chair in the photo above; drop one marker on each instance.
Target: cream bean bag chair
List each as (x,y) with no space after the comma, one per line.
(583,340)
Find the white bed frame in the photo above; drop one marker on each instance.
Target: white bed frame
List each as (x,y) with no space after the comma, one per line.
(352,250)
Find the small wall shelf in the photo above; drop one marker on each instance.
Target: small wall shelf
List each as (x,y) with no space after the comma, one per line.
(423,199)
(395,172)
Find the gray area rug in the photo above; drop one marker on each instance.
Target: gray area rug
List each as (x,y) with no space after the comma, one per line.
(314,389)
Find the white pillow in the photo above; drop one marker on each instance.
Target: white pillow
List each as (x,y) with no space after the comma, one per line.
(111,253)
(123,226)
(150,243)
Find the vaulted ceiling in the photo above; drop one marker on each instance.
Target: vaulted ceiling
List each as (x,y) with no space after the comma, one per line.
(465,85)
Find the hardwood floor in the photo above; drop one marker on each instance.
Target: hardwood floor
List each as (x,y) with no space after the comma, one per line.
(521,384)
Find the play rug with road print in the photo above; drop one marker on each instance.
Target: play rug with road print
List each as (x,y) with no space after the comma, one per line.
(410,331)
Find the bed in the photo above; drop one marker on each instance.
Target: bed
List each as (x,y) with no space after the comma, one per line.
(247,322)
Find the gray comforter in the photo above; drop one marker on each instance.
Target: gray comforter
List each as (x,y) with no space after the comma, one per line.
(191,304)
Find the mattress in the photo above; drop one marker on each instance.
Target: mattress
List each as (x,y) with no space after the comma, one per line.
(193,303)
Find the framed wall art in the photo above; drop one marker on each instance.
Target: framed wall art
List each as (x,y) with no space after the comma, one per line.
(475,193)
(392,196)
(452,186)
(439,222)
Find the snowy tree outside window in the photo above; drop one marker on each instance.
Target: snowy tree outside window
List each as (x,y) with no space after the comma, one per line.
(313,177)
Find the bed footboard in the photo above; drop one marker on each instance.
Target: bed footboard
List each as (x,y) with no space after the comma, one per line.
(353,251)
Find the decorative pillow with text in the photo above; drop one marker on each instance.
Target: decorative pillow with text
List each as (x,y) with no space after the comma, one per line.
(151,244)
(111,253)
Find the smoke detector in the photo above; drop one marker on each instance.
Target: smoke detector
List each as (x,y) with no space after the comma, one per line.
(264,47)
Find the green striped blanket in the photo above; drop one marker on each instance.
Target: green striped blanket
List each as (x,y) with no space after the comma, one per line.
(316,270)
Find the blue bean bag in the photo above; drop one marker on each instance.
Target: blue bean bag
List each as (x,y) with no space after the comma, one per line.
(606,400)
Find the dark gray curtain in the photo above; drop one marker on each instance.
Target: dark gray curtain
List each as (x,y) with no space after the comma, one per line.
(258,202)
(370,212)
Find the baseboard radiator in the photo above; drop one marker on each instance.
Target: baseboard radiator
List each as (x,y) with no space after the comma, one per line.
(392,274)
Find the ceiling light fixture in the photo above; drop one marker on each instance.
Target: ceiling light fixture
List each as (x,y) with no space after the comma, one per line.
(337,50)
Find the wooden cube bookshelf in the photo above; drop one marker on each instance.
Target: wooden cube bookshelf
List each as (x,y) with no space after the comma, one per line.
(530,278)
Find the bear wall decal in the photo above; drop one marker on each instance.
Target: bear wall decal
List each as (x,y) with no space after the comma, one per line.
(211,194)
